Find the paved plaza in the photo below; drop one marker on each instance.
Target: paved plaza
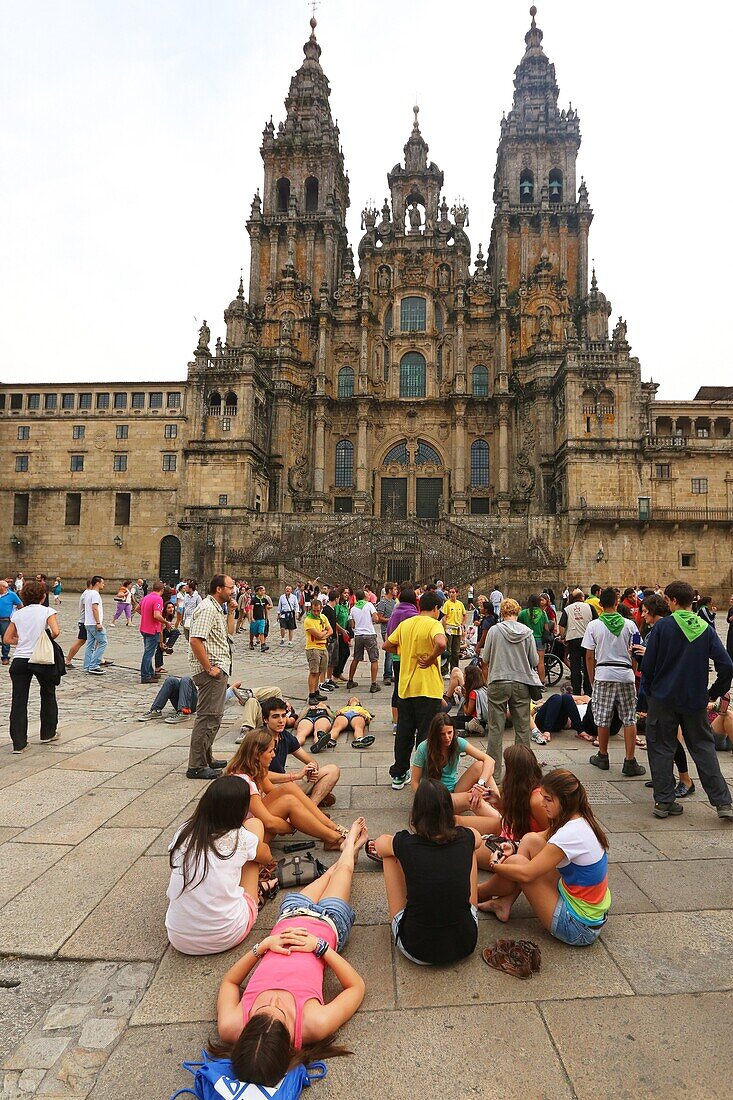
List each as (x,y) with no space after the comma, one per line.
(94,1002)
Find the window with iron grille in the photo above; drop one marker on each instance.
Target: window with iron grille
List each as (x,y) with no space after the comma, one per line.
(34,401)
(479,506)
(138,400)
(174,399)
(344,463)
(662,471)
(226,423)
(122,431)
(155,399)
(21,464)
(78,431)
(85,401)
(343,504)
(480,381)
(16,401)
(412,375)
(20,509)
(120,401)
(24,432)
(102,400)
(67,400)
(77,463)
(412,315)
(72,512)
(426,453)
(397,455)
(346,382)
(699,485)
(169,464)
(119,464)
(479,464)
(170,431)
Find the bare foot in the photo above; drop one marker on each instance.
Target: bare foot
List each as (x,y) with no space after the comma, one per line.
(363,834)
(500,907)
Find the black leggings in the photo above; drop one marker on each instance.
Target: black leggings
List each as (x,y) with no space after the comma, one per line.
(680,757)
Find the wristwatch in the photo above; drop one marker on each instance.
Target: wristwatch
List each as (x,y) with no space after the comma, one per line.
(481,783)
(321,948)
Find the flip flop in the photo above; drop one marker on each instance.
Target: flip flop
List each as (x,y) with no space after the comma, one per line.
(640,743)
(583,736)
(363,742)
(370,851)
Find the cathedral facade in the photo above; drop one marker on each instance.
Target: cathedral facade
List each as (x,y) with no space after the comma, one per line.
(409,410)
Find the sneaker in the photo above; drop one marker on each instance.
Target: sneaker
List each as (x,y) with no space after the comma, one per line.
(96,671)
(326,686)
(399,781)
(600,760)
(202,773)
(242,695)
(725,813)
(264,648)
(351,684)
(150,715)
(374,688)
(290,644)
(387,680)
(538,738)
(48,740)
(630,767)
(243,734)
(321,743)
(667,809)
(177,716)
(681,791)
(282,642)
(320,697)
(17,752)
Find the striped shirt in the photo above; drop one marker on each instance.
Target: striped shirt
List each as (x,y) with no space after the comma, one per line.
(583,883)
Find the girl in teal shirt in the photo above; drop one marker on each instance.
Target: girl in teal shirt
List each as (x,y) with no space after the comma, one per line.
(437,758)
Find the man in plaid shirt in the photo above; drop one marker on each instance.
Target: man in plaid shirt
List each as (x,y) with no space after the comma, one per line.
(210,657)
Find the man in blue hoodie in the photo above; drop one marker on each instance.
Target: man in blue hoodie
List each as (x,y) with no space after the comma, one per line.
(674,676)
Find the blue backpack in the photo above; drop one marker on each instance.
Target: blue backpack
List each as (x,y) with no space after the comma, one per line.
(213,1079)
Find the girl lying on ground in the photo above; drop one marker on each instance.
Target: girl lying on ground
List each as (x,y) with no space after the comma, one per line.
(560,711)
(283,808)
(317,720)
(215,863)
(281,1019)
(520,803)
(563,873)
(352,717)
(430,879)
(437,758)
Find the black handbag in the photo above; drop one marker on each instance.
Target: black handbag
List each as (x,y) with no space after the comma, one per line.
(296,871)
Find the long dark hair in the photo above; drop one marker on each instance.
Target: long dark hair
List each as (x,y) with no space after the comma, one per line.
(438,755)
(432,816)
(522,776)
(570,793)
(223,806)
(533,606)
(264,1051)
(475,678)
(247,757)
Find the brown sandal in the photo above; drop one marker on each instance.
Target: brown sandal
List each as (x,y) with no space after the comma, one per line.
(508,957)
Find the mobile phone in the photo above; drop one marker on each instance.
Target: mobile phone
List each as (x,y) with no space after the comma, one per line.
(300,846)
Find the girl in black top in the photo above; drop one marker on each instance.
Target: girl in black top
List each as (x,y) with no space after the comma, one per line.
(430,879)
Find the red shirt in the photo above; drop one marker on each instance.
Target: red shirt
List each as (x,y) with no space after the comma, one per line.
(148,605)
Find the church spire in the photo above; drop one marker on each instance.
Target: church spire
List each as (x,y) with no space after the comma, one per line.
(416,148)
(308,119)
(534,110)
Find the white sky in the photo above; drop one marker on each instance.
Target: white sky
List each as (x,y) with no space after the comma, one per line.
(130,134)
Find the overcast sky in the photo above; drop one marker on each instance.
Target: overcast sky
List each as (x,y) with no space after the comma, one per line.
(130,153)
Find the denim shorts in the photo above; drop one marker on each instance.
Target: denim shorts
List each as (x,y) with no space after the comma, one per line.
(566,927)
(338,912)
(398,942)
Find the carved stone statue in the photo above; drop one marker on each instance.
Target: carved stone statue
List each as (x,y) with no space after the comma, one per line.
(545,320)
(384,280)
(286,327)
(443,277)
(204,337)
(415,218)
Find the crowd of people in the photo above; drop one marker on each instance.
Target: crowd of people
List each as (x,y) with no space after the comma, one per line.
(638,662)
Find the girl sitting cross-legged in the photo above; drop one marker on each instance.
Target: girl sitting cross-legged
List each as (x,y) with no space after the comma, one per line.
(215,862)
(281,808)
(430,880)
(281,1019)
(563,873)
(437,758)
(519,804)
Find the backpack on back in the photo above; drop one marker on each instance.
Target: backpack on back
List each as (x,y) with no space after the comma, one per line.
(213,1079)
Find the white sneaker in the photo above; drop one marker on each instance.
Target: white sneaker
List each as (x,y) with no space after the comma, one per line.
(282,642)
(290,644)
(150,715)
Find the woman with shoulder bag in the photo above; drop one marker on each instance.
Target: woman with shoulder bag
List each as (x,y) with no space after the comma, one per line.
(34,656)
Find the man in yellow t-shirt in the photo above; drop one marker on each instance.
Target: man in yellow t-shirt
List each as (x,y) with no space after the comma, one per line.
(593,598)
(317,630)
(420,642)
(454,614)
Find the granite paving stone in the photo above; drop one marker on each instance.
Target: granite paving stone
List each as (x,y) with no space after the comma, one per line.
(106,759)
(184,987)
(685,886)
(146,1063)
(78,819)
(693,845)
(672,952)
(22,865)
(140,777)
(35,797)
(632,816)
(628,895)
(633,848)
(157,806)
(31,925)
(23,1005)
(38,1051)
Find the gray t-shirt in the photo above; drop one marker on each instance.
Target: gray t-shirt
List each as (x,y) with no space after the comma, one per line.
(613,663)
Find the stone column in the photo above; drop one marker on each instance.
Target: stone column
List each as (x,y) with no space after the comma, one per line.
(583,224)
(362,412)
(310,241)
(503,447)
(523,248)
(563,247)
(274,236)
(254,269)
(459,503)
(319,470)
(363,386)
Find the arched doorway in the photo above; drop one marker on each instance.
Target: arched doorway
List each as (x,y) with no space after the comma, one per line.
(170,559)
(412,481)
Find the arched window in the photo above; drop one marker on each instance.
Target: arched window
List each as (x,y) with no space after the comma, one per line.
(426,453)
(479,464)
(344,464)
(230,404)
(480,381)
(555,185)
(388,322)
(526,186)
(346,382)
(412,375)
(311,195)
(412,315)
(214,403)
(283,195)
(397,455)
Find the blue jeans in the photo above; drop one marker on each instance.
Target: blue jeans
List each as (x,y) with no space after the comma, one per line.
(180,692)
(567,927)
(96,645)
(338,911)
(150,644)
(4,624)
(388,659)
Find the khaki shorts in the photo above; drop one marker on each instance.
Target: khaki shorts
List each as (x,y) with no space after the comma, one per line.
(317,661)
(368,643)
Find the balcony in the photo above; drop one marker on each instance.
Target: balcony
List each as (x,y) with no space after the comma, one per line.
(221,410)
(665,442)
(654,514)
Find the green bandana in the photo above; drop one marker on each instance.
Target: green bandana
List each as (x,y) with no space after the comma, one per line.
(690,625)
(312,615)
(360,604)
(613,621)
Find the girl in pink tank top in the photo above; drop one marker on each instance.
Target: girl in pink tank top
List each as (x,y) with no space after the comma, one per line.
(281,1018)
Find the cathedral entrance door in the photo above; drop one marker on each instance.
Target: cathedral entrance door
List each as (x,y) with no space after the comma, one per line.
(428,496)
(170,559)
(399,569)
(394,497)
